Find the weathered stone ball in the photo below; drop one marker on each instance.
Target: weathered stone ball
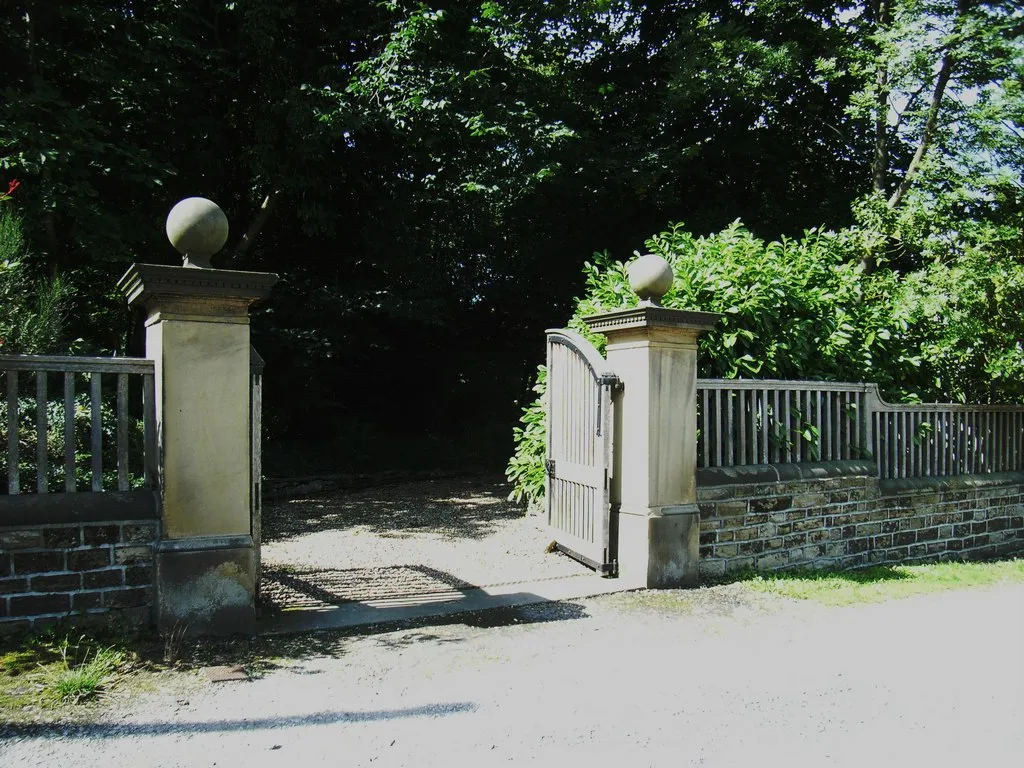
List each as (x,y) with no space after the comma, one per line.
(650,277)
(197,226)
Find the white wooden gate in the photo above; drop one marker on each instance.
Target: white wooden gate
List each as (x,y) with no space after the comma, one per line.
(580,432)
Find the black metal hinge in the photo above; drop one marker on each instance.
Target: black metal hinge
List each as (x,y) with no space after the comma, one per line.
(549,467)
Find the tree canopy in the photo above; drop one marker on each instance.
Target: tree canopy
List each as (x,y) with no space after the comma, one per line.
(428,177)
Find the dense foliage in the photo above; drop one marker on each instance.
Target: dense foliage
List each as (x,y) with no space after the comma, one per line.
(808,308)
(428,176)
(32,312)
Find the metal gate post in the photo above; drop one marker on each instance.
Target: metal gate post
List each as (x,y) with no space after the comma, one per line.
(654,352)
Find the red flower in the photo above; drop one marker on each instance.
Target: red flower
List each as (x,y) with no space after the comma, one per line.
(12,185)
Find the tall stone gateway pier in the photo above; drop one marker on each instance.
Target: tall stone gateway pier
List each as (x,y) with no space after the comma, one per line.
(197,334)
(653,350)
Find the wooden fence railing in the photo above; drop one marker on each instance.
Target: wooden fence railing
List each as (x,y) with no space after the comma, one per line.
(937,440)
(747,422)
(771,422)
(82,434)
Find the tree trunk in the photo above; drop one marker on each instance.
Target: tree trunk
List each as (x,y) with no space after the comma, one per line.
(932,121)
(880,161)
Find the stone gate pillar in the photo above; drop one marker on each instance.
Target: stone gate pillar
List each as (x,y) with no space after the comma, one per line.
(197,334)
(654,352)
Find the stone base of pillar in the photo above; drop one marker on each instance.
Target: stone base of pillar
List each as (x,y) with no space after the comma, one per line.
(660,551)
(206,585)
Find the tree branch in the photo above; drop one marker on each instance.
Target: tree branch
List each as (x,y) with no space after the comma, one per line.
(932,121)
(257,223)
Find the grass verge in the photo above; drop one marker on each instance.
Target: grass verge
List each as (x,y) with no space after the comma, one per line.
(47,672)
(889,582)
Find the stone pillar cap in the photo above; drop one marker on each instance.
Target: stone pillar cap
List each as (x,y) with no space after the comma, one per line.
(652,317)
(143,282)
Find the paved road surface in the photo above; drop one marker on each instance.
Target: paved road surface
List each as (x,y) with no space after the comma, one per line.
(625,680)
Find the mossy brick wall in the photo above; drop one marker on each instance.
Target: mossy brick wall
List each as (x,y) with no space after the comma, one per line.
(97,571)
(851,522)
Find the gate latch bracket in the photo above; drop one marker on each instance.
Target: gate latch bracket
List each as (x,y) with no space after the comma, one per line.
(549,467)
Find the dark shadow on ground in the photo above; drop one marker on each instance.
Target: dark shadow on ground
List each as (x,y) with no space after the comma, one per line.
(259,654)
(314,588)
(161,728)
(457,508)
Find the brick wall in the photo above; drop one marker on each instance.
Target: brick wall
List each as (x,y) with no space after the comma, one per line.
(846,521)
(78,571)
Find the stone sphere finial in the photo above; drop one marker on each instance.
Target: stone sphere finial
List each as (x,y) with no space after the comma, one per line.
(650,277)
(197,228)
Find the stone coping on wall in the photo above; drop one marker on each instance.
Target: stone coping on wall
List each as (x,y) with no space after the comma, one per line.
(948,482)
(776,473)
(32,509)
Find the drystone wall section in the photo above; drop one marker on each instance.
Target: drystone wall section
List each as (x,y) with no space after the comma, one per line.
(849,522)
(77,572)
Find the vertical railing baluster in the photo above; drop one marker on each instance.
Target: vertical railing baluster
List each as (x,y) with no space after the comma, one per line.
(705,457)
(12,433)
(69,431)
(836,421)
(149,428)
(943,455)
(828,426)
(42,454)
(909,443)
(972,444)
(787,421)
(743,426)
(844,425)
(884,449)
(764,427)
(754,438)
(950,444)
(730,406)
(918,454)
(871,423)
(1018,418)
(990,443)
(806,451)
(122,432)
(898,448)
(1015,464)
(1008,441)
(992,440)
(979,441)
(96,435)
(876,429)
(958,436)
(855,424)
(777,428)
(719,439)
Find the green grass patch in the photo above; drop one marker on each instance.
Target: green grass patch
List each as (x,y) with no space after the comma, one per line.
(82,671)
(888,582)
(53,671)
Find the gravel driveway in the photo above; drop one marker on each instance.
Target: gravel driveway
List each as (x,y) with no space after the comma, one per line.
(402,540)
(719,677)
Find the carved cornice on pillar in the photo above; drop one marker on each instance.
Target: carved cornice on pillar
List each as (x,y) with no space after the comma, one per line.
(158,287)
(652,317)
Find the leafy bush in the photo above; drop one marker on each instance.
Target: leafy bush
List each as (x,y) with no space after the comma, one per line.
(32,312)
(526,467)
(950,330)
